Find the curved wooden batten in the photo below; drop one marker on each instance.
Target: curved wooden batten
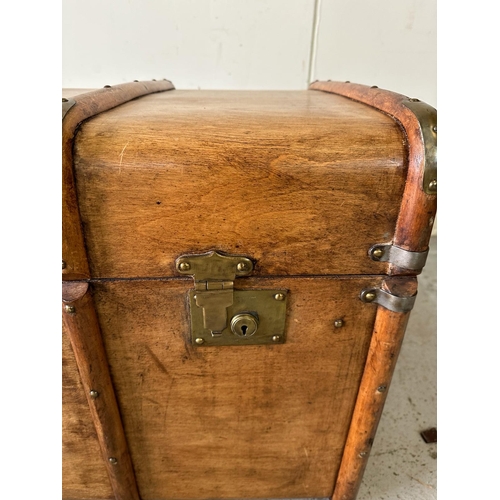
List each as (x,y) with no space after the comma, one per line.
(418,208)
(82,325)
(81,108)
(388,333)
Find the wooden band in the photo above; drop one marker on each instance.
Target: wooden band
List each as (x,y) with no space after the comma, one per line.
(418,209)
(80,320)
(388,333)
(75,264)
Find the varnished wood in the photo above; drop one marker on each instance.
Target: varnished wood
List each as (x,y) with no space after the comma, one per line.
(236,422)
(88,105)
(83,470)
(385,345)
(304,182)
(82,326)
(418,209)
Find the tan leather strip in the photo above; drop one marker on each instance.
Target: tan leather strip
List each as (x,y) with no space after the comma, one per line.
(388,333)
(418,209)
(82,325)
(75,265)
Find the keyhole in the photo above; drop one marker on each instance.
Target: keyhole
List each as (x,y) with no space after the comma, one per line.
(244,329)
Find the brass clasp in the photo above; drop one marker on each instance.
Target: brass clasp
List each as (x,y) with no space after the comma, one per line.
(221,315)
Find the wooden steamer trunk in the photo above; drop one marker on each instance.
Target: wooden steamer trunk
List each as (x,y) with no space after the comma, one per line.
(238,271)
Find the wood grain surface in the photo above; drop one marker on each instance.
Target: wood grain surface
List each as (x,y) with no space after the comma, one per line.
(236,422)
(418,209)
(388,333)
(82,326)
(83,470)
(87,105)
(304,182)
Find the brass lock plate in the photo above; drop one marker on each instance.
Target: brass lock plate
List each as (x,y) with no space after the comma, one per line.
(255,317)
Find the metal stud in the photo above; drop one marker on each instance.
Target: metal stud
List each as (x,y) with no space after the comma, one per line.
(63,264)
(94,394)
(107,86)
(69,309)
(362,454)
(136,80)
(112,460)
(199,341)
(414,99)
(435,129)
(381,388)
(369,297)
(433,185)
(279,296)
(276,338)
(242,266)
(374,87)
(64,99)
(184,266)
(377,253)
(338,323)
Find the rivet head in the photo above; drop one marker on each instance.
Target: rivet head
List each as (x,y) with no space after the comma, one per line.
(338,323)
(435,129)
(136,80)
(369,297)
(112,460)
(64,264)
(107,86)
(414,99)
(94,394)
(199,341)
(279,296)
(377,253)
(381,388)
(69,309)
(433,185)
(374,87)
(184,266)
(64,99)
(276,338)
(362,454)
(242,266)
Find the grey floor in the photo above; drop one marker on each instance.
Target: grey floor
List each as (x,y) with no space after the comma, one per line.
(401,464)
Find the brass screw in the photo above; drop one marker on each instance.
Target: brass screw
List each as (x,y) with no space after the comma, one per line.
(242,266)
(381,388)
(64,264)
(377,253)
(276,338)
(94,394)
(279,296)
(199,341)
(112,460)
(433,185)
(69,309)
(370,297)
(339,323)
(184,266)
(64,99)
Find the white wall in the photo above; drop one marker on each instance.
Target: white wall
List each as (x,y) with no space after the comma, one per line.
(252,44)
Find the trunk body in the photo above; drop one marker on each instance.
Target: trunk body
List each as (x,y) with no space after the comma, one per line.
(303,184)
